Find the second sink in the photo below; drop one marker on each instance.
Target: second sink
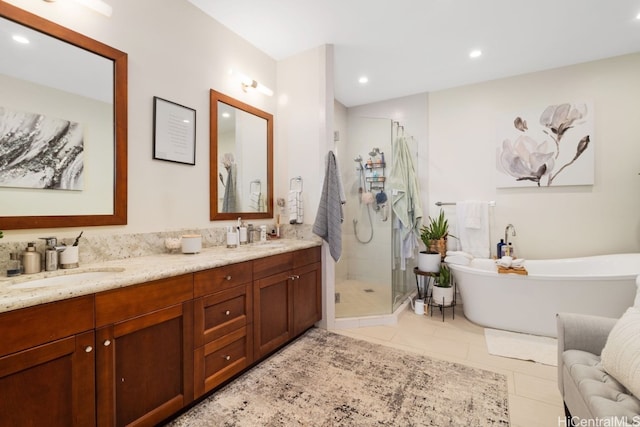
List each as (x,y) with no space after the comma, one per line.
(66,279)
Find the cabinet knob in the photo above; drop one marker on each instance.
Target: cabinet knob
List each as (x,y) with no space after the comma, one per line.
(106,343)
(227,357)
(227,312)
(228,277)
(294,277)
(88,349)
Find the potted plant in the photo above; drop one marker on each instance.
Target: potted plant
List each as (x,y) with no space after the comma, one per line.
(442,293)
(434,236)
(428,260)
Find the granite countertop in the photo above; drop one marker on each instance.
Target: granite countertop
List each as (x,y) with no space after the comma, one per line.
(125,272)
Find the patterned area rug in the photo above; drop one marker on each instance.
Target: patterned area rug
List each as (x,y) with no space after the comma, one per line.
(325,379)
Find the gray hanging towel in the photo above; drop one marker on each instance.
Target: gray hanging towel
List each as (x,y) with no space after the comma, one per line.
(328,224)
(229,201)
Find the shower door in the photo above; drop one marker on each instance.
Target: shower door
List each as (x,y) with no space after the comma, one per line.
(364,275)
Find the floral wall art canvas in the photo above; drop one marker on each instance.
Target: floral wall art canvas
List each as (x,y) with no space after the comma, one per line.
(550,146)
(39,151)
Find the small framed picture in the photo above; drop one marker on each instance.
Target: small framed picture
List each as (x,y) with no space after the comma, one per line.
(174,132)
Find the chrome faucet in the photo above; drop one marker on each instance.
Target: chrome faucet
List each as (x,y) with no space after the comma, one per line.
(51,253)
(506,233)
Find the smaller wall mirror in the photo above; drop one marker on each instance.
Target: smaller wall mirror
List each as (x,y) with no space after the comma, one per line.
(241,160)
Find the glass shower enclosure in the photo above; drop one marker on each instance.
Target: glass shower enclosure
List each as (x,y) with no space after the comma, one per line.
(369,278)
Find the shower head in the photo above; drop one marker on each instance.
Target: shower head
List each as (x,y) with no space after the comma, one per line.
(374,152)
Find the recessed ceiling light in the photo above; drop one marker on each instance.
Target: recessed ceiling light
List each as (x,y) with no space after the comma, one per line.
(364,79)
(638,16)
(20,39)
(475,53)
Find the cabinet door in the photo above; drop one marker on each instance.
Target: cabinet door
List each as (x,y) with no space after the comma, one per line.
(272,313)
(307,297)
(52,384)
(145,367)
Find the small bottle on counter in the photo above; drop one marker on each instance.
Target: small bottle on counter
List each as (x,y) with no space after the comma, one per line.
(263,233)
(232,237)
(31,260)
(512,251)
(250,233)
(14,268)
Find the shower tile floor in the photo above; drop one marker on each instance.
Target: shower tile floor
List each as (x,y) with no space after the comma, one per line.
(359,298)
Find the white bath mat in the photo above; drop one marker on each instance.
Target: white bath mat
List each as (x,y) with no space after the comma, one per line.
(522,346)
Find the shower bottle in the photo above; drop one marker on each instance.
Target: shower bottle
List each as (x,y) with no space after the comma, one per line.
(499,248)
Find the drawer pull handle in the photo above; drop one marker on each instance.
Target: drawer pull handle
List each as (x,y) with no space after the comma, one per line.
(227,357)
(88,349)
(227,312)
(228,277)
(294,277)
(107,343)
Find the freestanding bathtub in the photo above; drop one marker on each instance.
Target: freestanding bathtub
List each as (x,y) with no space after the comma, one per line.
(603,285)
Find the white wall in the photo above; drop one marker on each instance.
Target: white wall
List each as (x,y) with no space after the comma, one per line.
(550,222)
(304,135)
(178,53)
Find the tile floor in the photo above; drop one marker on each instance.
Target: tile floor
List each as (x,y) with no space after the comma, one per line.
(534,399)
(356,301)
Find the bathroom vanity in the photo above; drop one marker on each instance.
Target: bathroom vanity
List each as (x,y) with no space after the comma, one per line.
(132,351)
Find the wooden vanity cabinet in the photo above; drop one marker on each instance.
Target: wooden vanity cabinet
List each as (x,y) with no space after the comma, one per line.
(144,355)
(307,289)
(287,298)
(223,326)
(47,361)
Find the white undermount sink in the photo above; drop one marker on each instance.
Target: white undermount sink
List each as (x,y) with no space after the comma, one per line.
(66,279)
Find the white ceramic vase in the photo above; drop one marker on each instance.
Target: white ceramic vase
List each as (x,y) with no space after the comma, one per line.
(429,263)
(438,293)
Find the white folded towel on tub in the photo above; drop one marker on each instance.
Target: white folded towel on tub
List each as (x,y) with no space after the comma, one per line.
(460,253)
(457,259)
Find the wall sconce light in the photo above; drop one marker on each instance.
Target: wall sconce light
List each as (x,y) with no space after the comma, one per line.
(95,5)
(248,83)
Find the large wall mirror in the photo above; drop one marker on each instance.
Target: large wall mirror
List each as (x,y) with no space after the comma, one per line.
(241,160)
(63,126)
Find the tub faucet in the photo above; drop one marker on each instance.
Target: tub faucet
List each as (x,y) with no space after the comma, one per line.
(506,233)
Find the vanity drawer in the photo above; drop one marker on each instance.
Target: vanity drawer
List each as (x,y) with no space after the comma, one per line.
(32,326)
(221,313)
(220,360)
(221,278)
(306,256)
(268,266)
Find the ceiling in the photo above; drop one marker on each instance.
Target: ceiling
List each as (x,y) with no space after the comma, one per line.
(406,47)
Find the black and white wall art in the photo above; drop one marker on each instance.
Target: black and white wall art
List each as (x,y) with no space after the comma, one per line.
(40,151)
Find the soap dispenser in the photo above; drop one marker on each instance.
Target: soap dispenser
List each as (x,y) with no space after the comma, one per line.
(499,248)
(31,259)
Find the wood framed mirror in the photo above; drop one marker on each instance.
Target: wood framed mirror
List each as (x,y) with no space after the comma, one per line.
(241,160)
(75,82)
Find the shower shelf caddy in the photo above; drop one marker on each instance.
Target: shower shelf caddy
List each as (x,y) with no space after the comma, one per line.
(375,175)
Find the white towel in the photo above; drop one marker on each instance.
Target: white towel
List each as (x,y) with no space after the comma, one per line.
(457,259)
(474,241)
(473,214)
(296,213)
(256,202)
(460,253)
